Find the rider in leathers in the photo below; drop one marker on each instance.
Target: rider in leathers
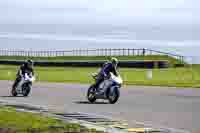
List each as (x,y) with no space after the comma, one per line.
(27,67)
(104,73)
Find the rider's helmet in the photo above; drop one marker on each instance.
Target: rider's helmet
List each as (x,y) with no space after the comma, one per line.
(29,63)
(114,61)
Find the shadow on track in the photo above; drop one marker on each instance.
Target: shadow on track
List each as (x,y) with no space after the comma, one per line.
(10,96)
(86,102)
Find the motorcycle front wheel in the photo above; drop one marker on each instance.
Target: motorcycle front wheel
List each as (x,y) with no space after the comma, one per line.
(91,94)
(114,96)
(26,89)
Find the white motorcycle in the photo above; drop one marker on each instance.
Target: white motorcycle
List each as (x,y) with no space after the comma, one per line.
(110,87)
(24,86)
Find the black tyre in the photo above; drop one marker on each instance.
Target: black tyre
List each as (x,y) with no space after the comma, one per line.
(13,92)
(114,96)
(26,89)
(91,94)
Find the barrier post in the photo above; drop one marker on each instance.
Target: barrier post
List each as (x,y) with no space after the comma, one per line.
(149,74)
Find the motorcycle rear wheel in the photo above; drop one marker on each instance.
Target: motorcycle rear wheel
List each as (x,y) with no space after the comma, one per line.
(91,94)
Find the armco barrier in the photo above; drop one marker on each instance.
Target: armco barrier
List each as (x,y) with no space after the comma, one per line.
(132,64)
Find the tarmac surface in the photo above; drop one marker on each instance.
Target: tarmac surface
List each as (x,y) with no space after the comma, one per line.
(177,108)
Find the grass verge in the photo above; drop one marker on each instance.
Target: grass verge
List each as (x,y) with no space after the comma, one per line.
(12,121)
(178,77)
(75,58)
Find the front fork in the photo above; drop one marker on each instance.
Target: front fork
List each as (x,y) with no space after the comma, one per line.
(112,89)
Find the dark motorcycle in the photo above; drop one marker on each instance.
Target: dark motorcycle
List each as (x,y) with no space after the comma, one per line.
(24,86)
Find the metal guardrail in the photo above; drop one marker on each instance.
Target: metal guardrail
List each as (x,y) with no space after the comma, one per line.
(87,52)
(132,64)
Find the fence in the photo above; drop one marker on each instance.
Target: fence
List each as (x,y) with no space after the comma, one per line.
(87,52)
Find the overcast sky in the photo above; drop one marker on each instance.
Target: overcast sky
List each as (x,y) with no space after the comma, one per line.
(100,11)
(107,23)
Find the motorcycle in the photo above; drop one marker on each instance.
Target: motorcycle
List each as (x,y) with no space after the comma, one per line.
(24,86)
(110,89)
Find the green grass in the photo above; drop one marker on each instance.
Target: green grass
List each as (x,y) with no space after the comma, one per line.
(180,77)
(22,122)
(67,58)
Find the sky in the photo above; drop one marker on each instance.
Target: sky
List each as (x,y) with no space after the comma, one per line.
(102,11)
(167,25)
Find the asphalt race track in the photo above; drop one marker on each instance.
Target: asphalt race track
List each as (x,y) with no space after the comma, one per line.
(158,106)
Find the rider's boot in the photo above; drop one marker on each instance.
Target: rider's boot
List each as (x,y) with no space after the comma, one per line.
(100,91)
(15,84)
(17,80)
